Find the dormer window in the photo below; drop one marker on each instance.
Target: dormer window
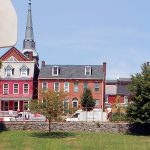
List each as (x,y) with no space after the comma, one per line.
(87,70)
(9,71)
(55,71)
(24,71)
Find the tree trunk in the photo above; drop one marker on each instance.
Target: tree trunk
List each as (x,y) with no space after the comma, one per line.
(49,126)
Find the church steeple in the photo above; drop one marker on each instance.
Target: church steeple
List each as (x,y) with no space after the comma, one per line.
(29,43)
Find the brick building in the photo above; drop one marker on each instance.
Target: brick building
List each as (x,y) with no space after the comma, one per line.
(73,79)
(19,73)
(117,89)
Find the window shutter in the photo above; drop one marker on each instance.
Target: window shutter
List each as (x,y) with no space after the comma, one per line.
(12,71)
(28,71)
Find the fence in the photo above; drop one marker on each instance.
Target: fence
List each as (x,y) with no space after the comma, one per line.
(8,113)
(96,115)
(20,116)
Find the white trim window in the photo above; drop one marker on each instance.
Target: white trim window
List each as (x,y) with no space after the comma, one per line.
(88,71)
(56,86)
(125,99)
(44,86)
(75,103)
(24,71)
(9,71)
(96,87)
(66,105)
(76,89)
(55,71)
(5,89)
(97,102)
(66,86)
(16,88)
(6,105)
(25,88)
(12,58)
(106,99)
(15,105)
(85,85)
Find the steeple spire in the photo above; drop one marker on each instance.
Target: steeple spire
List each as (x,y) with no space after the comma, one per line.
(29,43)
(29,26)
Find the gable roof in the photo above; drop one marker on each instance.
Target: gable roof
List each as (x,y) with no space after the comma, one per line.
(72,72)
(111,89)
(15,53)
(118,87)
(123,90)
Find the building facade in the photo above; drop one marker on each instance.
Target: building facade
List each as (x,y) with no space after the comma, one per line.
(16,80)
(19,73)
(117,92)
(73,79)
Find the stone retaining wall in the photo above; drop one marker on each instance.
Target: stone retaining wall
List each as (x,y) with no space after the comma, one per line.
(67,126)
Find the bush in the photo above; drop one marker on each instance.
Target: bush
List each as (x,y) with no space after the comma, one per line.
(119,117)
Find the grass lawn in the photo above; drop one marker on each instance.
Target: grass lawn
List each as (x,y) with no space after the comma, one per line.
(31,140)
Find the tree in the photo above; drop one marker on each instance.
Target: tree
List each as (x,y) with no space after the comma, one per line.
(87,101)
(138,110)
(0,63)
(50,104)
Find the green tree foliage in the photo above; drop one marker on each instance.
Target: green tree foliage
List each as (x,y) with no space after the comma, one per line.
(0,63)
(87,101)
(139,109)
(50,104)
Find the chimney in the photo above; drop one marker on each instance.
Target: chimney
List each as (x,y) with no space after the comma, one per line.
(104,85)
(43,63)
(31,56)
(104,69)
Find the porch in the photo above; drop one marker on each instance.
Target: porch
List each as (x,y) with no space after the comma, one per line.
(12,107)
(8,113)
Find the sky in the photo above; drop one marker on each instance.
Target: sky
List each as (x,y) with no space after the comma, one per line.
(89,32)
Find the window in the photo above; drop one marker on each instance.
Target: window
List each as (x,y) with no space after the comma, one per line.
(9,71)
(66,105)
(44,86)
(16,88)
(106,99)
(125,99)
(55,71)
(76,87)
(75,103)
(26,89)
(66,86)
(15,106)
(76,115)
(12,58)
(5,89)
(56,87)
(26,105)
(24,71)
(96,102)
(85,85)
(87,70)
(96,87)
(6,106)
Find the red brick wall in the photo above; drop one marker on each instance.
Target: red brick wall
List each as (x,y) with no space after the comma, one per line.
(72,94)
(20,83)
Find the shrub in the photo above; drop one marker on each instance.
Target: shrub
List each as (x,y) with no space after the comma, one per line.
(119,117)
